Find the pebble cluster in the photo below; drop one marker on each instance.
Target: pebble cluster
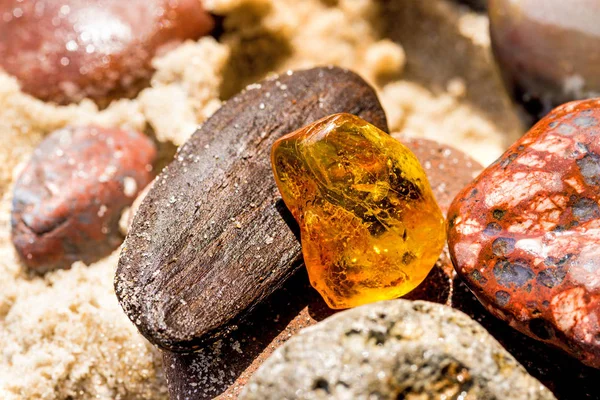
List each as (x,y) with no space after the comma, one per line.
(523,235)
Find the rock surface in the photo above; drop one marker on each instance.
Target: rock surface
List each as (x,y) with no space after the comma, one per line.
(64,51)
(524,235)
(394,349)
(68,200)
(449,170)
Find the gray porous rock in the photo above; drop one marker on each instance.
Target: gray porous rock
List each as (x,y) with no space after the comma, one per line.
(394,350)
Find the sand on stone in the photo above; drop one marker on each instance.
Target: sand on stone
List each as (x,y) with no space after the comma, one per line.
(394,349)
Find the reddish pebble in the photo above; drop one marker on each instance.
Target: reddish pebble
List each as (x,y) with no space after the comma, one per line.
(525,235)
(448,170)
(69,198)
(64,51)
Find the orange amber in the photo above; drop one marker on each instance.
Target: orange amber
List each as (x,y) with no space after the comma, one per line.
(371,228)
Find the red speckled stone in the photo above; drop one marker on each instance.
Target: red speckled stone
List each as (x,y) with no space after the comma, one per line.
(67,50)
(525,235)
(68,200)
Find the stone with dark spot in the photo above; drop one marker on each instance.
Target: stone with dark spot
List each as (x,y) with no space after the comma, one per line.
(478,277)
(544,248)
(505,162)
(492,229)
(552,277)
(503,246)
(515,274)
(585,209)
(69,198)
(498,214)
(589,167)
(64,51)
(502,297)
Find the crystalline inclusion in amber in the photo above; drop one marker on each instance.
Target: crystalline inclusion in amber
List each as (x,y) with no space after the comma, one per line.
(371,228)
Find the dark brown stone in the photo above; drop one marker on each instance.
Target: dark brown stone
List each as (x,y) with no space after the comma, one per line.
(547,51)
(64,51)
(69,198)
(211,239)
(523,235)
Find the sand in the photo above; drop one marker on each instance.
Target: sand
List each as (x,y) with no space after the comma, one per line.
(64,335)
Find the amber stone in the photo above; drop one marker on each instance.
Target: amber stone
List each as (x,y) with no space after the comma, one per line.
(68,200)
(64,51)
(548,51)
(525,235)
(371,229)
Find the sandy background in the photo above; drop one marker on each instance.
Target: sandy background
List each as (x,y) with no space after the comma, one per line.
(64,335)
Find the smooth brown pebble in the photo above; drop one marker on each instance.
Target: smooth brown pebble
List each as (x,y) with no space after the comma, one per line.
(69,198)
(64,51)
(448,170)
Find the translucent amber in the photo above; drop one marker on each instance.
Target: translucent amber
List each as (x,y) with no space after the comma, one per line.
(371,228)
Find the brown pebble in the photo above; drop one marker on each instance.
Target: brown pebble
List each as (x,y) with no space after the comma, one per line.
(448,170)
(68,200)
(64,51)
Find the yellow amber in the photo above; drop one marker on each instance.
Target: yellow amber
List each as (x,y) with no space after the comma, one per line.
(371,228)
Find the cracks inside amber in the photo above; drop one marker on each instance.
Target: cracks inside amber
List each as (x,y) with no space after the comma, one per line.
(371,228)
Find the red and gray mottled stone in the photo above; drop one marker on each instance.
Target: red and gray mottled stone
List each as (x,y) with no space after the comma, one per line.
(525,235)
(68,200)
(64,51)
